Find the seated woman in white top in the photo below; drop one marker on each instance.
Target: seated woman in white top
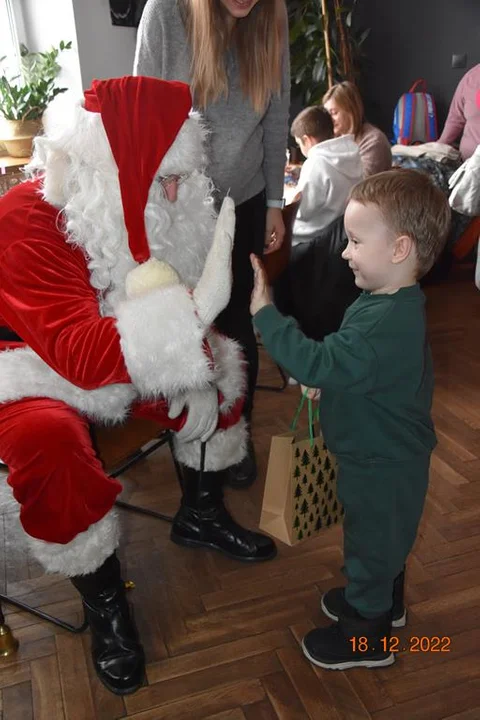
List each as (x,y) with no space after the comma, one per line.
(344,103)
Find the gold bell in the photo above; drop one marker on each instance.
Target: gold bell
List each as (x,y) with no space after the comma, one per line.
(8,643)
(129,585)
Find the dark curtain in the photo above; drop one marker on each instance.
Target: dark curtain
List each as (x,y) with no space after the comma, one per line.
(126,12)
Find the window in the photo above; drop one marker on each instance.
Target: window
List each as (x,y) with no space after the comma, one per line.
(8,38)
(40,25)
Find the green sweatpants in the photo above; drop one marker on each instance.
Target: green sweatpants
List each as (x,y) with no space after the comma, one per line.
(383,504)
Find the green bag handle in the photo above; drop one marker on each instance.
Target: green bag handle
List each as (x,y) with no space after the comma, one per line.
(313,416)
(293,424)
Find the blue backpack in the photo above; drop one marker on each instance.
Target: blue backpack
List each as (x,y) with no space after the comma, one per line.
(415,117)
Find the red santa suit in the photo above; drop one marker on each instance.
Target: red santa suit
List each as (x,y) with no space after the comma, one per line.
(76,349)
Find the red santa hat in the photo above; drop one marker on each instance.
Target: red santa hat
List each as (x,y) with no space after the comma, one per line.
(142,117)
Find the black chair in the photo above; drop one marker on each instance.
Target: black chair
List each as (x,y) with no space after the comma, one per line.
(118,447)
(318,286)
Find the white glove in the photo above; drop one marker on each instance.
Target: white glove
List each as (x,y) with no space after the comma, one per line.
(202,415)
(214,287)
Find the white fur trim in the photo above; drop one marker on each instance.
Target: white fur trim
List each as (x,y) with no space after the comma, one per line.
(225,448)
(231,369)
(187,152)
(82,555)
(161,339)
(24,374)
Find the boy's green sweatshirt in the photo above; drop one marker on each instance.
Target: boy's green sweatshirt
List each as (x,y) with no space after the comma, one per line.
(375,374)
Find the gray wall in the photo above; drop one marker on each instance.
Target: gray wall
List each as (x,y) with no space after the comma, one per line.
(100,50)
(412,39)
(36,29)
(105,50)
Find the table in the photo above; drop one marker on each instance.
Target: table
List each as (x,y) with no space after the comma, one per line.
(292,173)
(11,171)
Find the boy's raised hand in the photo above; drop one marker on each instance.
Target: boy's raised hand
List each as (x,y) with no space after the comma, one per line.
(260,295)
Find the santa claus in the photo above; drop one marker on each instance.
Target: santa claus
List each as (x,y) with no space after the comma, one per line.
(109,284)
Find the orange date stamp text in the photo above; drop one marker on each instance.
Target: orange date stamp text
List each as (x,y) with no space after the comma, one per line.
(395,644)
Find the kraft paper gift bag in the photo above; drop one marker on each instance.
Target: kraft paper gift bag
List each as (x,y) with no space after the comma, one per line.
(300,497)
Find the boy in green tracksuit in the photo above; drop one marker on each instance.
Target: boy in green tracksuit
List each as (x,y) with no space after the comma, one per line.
(376,381)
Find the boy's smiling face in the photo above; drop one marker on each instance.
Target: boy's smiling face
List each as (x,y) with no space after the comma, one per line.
(371,248)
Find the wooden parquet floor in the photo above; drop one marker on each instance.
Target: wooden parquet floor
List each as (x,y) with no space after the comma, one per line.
(222,639)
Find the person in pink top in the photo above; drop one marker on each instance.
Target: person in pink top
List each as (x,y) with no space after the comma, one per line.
(464,114)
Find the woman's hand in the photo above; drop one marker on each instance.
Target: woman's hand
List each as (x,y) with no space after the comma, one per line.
(260,295)
(274,230)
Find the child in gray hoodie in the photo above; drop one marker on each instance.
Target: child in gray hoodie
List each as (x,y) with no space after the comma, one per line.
(331,169)
(317,285)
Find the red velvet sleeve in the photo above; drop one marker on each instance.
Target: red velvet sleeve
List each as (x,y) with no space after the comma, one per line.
(47,299)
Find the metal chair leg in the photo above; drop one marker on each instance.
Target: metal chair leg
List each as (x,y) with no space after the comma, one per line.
(274,388)
(166,437)
(8,643)
(146,511)
(44,616)
(143,511)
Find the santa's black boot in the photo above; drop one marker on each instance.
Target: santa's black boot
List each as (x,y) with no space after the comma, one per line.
(354,641)
(117,654)
(204,521)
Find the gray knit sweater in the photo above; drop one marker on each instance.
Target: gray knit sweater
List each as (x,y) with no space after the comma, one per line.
(246,149)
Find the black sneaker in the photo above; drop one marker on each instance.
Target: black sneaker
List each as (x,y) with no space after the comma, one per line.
(352,642)
(243,474)
(334,604)
(399,611)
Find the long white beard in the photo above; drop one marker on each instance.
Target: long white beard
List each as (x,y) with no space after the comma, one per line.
(179,233)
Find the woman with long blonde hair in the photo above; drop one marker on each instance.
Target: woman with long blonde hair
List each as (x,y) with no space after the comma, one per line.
(234,55)
(344,103)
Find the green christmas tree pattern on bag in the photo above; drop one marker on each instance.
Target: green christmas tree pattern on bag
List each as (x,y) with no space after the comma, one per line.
(315,505)
(314,482)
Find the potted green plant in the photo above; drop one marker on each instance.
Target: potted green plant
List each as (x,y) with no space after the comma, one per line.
(325,46)
(23,98)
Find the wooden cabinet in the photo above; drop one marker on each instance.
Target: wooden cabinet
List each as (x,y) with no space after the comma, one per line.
(11,172)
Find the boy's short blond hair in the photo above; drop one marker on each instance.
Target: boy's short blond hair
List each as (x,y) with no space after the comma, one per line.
(412,205)
(315,122)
